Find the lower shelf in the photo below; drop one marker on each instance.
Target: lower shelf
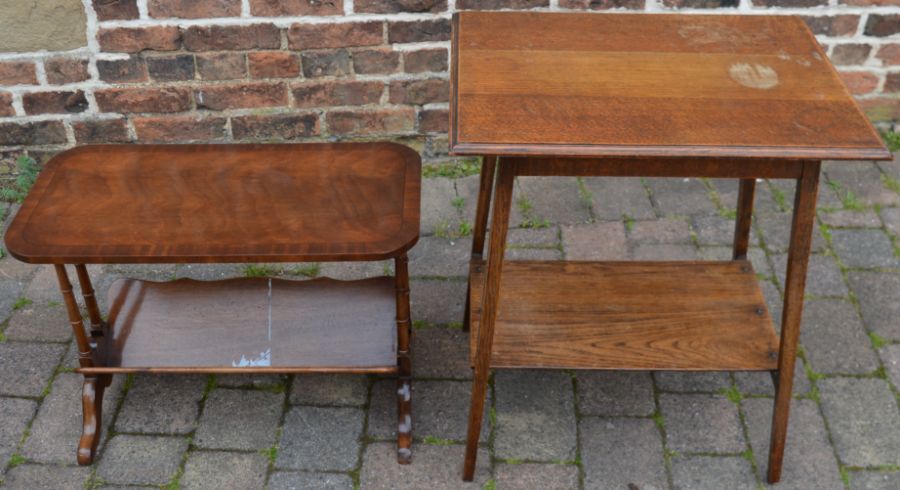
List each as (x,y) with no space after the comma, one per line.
(250,324)
(697,316)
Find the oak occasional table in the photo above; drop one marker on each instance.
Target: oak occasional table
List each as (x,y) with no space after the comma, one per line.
(230,204)
(745,97)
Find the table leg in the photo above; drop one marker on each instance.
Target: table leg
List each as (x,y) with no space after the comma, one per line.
(404,364)
(798,258)
(85,353)
(744,217)
(499,226)
(90,301)
(482,210)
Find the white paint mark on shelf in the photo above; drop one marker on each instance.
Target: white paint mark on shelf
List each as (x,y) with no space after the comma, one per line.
(264,359)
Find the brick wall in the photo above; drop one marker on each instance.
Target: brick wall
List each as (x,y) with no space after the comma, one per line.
(267,70)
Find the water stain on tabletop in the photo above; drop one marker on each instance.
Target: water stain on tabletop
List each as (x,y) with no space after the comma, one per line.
(754,75)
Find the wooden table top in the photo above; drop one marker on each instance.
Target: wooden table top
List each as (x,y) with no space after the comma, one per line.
(730,86)
(221,203)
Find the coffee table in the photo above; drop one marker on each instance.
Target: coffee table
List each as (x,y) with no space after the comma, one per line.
(725,96)
(136,204)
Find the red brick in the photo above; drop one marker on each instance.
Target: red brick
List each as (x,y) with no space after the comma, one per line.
(375,61)
(32,133)
(850,54)
(232,38)
(171,68)
(434,120)
(218,97)
(602,4)
(425,60)
(881,108)
(6,108)
(17,73)
(869,3)
(66,70)
(859,82)
(834,26)
(892,83)
(370,122)
(137,39)
(62,102)
(889,54)
(276,8)
(140,99)
(789,3)
(101,131)
(420,91)
(179,128)
(500,4)
(317,36)
(334,63)
(193,9)
(337,93)
(116,9)
(131,70)
(397,6)
(882,25)
(275,127)
(273,64)
(419,31)
(222,66)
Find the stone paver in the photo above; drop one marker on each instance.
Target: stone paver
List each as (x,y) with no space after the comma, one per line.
(760,382)
(534,475)
(692,382)
(162,404)
(663,251)
(437,210)
(239,419)
(823,276)
(41,322)
(864,249)
(851,219)
(441,353)
(437,301)
(555,199)
(701,424)
(713,230)
(147,460)
(666,230)
(356,270)
(877,294)
(435,256)
(33,476)
(604,240)
(17,413)
(835,339)
(614,198)
(614,393)
(26,367)
(330,389)
(890,357)
(775,229)
(296,480)
(215,470)
(683,197)
(891,218)
(433,467)
(317,438)
(864,421)
(712,473)
(864,181)
(637,463)
(874,480)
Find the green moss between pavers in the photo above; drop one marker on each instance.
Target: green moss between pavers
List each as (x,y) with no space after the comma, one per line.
(21,302)
(455,170)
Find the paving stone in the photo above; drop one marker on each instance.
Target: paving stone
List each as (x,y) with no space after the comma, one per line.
(317,438)
(535,416)
(650,251)
(760,382)
(210,272)
(775,229)
(154,272)
(879,301)
(727,189)
(329,389)
(41,322)
(713,473)
(437,257)
(34,476)
(864,248)
(14,277)
(760,261)
(437,204)
(891,218)
(527,476)
(809,460)
(665,230)
(356,270)
(683,197)
(701,423)
(239,419)
(533,237)
(864,421)
(177,414)
(851,219)
(616,197)
(57,427)
(692,382)
(713,230)
(437,301)
(518,253)
(441,353)
(43,286)
(604,240)
(864,181)
(715,253)
(297,480)
(271,381)
(25,367)
(610,463)
(218,470)
(16,415)
(433,467)
(890,356)
(774,302)
(874,480)
(467,189)
(555,199)
(615,393)
(141,459)
(834,338)
(823,276)
(765,201)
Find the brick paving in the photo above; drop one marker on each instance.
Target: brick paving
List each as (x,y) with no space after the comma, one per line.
(543,429)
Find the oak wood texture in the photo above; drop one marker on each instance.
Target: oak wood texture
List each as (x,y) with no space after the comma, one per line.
(250,324)
(529,83)
(221,203)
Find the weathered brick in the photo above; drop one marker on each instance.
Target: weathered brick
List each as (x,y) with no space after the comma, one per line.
(788,3)
(275,8)
(381,121)
(162,9)
(880,108)
(278,126)
(892,83)
(434,120)
(6,108)
(32,133)
(115,9)
(137,39)
(317,36)
(859,82)
(273,64)
(602,4)
(375,61)
(850,54)
(222,66)
(420,91)
(889,54)
(337,93)
(61,102)
(868,3)
(167,99)
(171,68)
(231,38)
(326,63)
(179,128)
(101,131)
(66,70)
(835,26)
(396,6)
(218,97)
(418,31)
(425,60)
(17,73)
(883,25)
(132,69)
(500,4)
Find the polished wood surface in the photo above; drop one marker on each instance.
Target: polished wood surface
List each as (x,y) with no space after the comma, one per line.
(221,203)
(528,83)
(629,315)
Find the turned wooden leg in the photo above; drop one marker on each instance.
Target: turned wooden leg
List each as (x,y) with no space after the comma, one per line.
(85,353)
(744,217)
(404,364)
(92,404)
(499,226)
(798,257)
(90,301)
(482,210)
